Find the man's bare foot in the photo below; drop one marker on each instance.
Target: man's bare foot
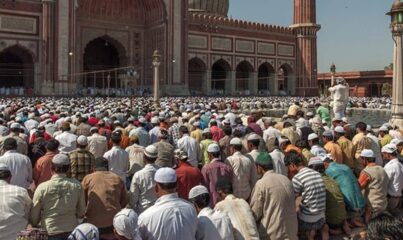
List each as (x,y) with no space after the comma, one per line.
(335,232)
(346,228)
(356,222)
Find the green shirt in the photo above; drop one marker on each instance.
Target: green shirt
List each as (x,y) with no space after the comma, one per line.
(57,204)
(204,145)
(324,113)
(335,207)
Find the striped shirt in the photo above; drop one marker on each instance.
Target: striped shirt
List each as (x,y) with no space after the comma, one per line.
(310,186)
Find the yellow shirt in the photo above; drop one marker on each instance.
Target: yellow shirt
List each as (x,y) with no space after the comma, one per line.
(385,140)
(197,134)
(347,149)
(360,142)
(292,111)
(57,204)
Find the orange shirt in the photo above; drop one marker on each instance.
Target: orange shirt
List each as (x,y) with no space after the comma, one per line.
(334,150)
(42,171)
(291,147)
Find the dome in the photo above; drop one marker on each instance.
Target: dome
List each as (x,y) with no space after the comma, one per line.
(213,7)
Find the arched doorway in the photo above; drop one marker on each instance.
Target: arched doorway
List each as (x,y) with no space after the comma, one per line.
(197,76)
(285,78)
(243,75)
(219,75)
(16,68)
(100,55)
(373,90)
(266,77)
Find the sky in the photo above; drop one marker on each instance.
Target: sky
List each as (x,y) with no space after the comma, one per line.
(355,34)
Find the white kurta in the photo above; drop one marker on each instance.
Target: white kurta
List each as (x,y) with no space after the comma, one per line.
(171,218)
(15,205)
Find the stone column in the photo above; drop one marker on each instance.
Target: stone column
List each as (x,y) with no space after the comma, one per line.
(253,83)
(273,86)
(306,30)
(207,83)
(230,84)
(156,67)
(397,102)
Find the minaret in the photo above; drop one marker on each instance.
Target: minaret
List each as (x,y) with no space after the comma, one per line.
(305,28)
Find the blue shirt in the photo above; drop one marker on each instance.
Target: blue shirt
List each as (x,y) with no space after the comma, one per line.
(348,184)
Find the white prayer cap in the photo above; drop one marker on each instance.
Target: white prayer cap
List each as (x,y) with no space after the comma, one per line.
(165,175)
(213,148)
(4,167)
(197,191)
(389,148)
(142,120)
(180,154)
(384,129)
(327,133)
(396,141)
(369,128)
(93,129)
(151,151)
(344,119)
(309,114)
(315,161)
(82,140)
(196,124)
(125,224)
(15,125)
(61,159)
(206,130)
(368,153)
(85,231)
(155,120)
(253,137)
(283,140)
(235,141)
(312,136)
(339,129)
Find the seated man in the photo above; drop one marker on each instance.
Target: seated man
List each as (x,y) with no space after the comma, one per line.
(237,209)
(212,224)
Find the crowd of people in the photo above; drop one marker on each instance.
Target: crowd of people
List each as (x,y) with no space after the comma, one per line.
(194,168)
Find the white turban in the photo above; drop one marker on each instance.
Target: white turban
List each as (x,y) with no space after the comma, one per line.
(125,224)
(85,231)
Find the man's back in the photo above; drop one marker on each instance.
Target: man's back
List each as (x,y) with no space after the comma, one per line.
(211,173)
(348,184)
(241,217)
(57,204)
(245,175)
(142,193)
(20,167)
(192,149)
(213,225)
(188,177)
(67,142)
(272,203)
(82,162)
(165,154)
(106,196)
(15,205)
(118,161)
(171,218)
(97,145)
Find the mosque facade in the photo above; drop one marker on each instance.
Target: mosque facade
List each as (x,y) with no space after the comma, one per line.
(57,47)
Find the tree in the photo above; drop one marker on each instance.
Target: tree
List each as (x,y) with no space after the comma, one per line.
(389,67)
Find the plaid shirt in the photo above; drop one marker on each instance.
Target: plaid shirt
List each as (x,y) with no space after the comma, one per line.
(174,134)
(82,163)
